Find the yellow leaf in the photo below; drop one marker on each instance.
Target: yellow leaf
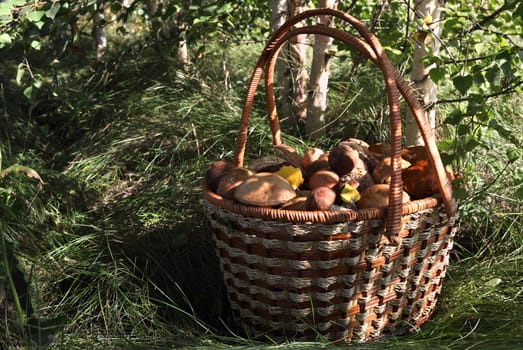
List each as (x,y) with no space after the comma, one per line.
(292,174)
(349,194)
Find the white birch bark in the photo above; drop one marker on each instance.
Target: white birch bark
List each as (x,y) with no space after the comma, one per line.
(425,40)
(280,10)
(299,73)
(319,77)
(100,35)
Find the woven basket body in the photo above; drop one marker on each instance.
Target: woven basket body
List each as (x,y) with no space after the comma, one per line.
(345,274)
(343,281)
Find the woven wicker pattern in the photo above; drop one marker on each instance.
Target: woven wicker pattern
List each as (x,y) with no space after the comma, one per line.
(344,274)
(345,281)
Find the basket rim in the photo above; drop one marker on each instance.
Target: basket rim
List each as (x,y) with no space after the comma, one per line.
(307,216)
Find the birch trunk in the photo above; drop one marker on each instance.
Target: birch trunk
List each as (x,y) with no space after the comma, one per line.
(425,40)
(319,78)
(99,33)
(300,76)
(279,10)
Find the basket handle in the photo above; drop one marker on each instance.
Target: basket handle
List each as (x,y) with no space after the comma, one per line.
(371,48)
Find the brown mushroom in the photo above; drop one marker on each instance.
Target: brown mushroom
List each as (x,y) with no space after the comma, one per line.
(296,203)
(320,198)
(414,153)
(378,151)
(377,196)
(215,173)
(381,172)
(323,178)
(266,164)
(264,190)
(231,180)
(310,156)
(289,154)
(343,158)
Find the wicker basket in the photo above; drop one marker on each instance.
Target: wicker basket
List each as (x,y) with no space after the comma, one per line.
(344,274)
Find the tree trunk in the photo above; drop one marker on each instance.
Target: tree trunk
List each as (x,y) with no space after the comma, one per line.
(425,40)
(291,72)
(319,78)
(300,76)
(100,36)
(279,14)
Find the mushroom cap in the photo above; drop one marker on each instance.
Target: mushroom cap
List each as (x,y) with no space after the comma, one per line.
(288,153)
(297,203)
(266,164)
(343,158)
(379,151)
(382,172)
(230,180)
(325,178)
(264,190)
(216,171)
(414,153)
(377,196)
(320,198)
(322,163)
(310,156)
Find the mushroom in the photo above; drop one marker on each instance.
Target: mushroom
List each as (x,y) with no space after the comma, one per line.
(289,154)
(297,203)
(264,190)
(266,164)
(420,179)
(322,163)
(215,173)
(414,153)
(320,198)
(343,158)
(231,180)
(378,151)
(381,172)
(310,156)
(324,178)
(377,196)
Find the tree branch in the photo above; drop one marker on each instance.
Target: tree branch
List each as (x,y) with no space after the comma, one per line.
(506,91)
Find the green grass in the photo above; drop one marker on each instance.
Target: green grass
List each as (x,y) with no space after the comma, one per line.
(117,249)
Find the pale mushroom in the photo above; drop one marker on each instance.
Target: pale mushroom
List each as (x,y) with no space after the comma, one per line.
(381,172)
(264,190)
(231,180)
(377,196)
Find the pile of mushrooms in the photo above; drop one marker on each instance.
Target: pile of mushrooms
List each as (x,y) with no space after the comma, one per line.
(353,175)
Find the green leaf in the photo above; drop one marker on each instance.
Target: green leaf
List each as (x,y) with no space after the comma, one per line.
(31,92)
(454,118)
(519,192)
(35,16)
(53,10)
(513,154)
(460,193)
(463,129)
(463,83)
(16,2)
(35,44)
(494,76)
(437,74)
(20,72)
(5,40)
(471,144)
(5,14)
(446,144)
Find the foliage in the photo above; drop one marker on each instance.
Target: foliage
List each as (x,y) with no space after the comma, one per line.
(112,243)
